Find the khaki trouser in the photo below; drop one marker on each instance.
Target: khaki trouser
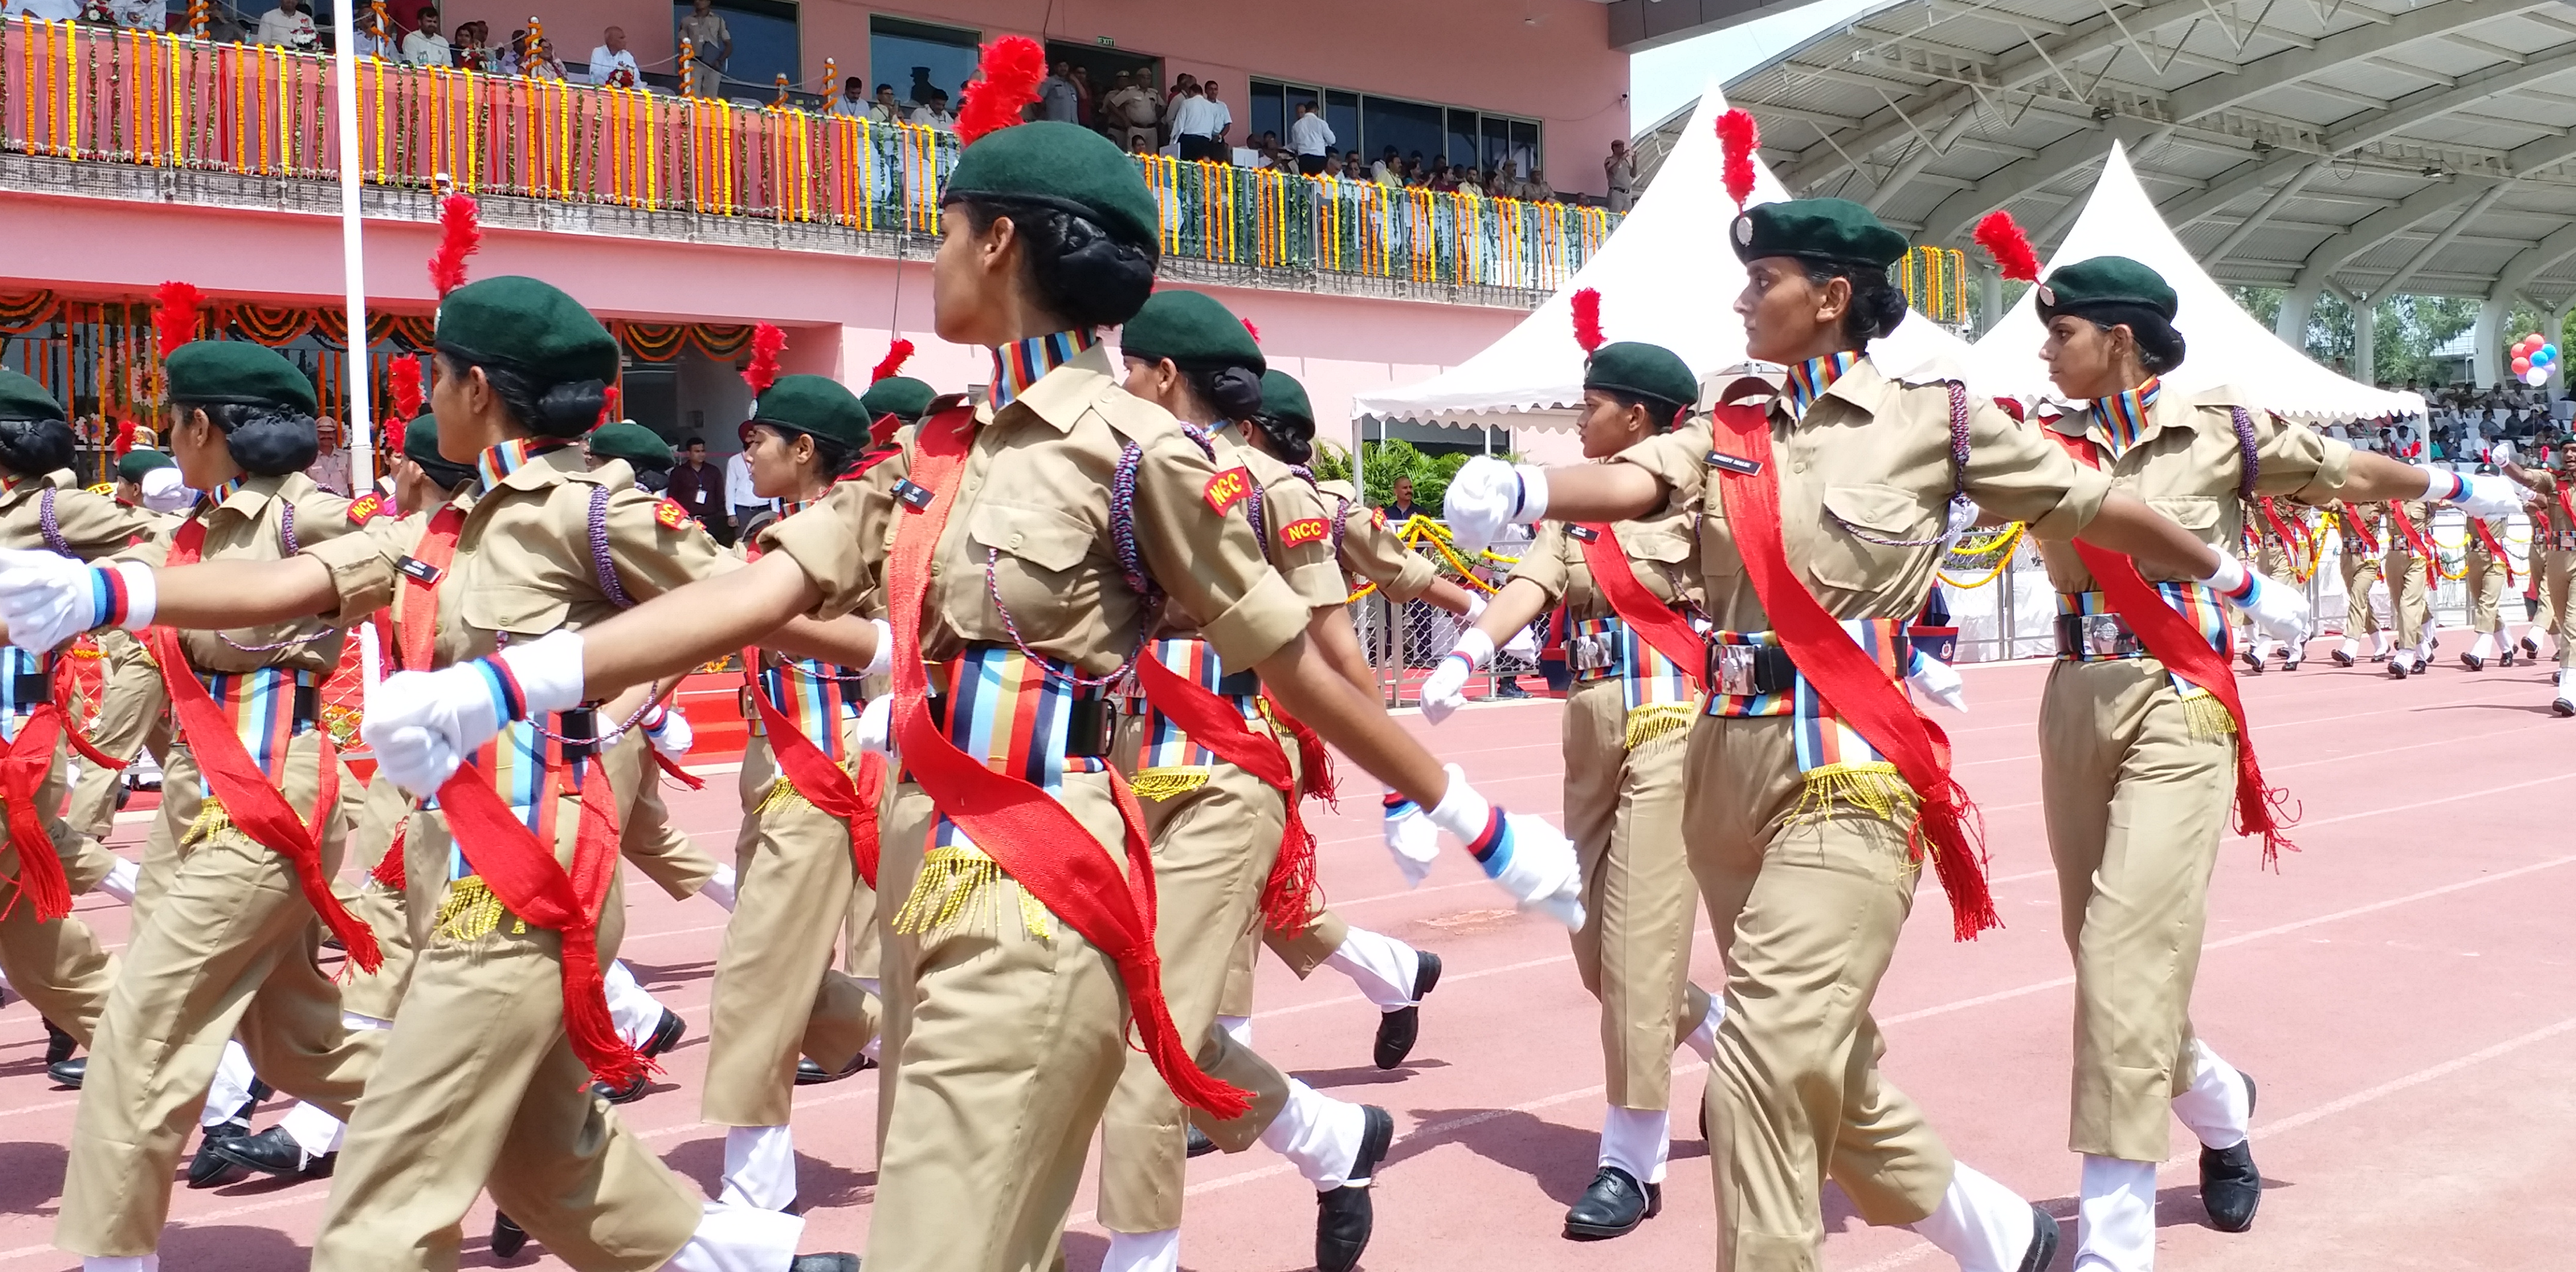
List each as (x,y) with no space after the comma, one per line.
(776,992)
(2558,604)
(226,950)
(133,716)
(1623,810)
(2359,572)
(379,823)
(2137,806)
(59,966)
(1213,851)
(903,822)
(1008,1046)
(1811,909)
(647,839)
(480,1089)
(2486,588)
(1303,950)
(2410,596)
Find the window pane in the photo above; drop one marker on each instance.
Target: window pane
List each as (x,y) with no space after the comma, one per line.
(764,45)
(1413,128)
(1525,148)
(916,57)
(1342,111)
(1268,110)
(1497,143)
(1461,145)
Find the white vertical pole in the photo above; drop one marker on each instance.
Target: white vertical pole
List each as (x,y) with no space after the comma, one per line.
(344,72)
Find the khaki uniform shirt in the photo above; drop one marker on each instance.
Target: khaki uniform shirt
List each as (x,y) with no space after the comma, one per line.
(2552,517)
(1658,549)
(1372,550)
(250,525)
(1031,520)
(1297,530)
(1873,454)
(92,525)
(2189,465)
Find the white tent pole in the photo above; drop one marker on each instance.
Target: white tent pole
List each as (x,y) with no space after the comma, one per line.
(344,71)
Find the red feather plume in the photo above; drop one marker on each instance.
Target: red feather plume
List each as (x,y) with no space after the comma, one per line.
(2002,238)
(460,231)
(1587,319)
(608,407)
(124,437)
(174,314)
(766,343)
(891,364)
(1006,83)
(1738,136)
(405,375)
(1250,330)
(396,430)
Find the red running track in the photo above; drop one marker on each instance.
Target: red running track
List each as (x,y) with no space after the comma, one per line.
(2401,989)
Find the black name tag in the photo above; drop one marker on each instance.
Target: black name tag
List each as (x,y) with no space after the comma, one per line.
(915,497)
(1583,534)
(419,569)
(1734,463)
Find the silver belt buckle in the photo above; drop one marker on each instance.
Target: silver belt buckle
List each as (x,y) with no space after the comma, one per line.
(1590,653)
(2102,635)
(1735,665)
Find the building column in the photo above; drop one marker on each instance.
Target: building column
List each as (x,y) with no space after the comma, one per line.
(2486,361)
(2365,326)
(2296,304)
(2558,369)
(1990,299)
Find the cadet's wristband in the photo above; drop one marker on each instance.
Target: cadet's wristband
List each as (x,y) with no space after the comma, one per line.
(2231,580)
(884,661)
(1474,646)
(1462,812)
(2441,485)
(1531,507)
(123,595)
(546,674)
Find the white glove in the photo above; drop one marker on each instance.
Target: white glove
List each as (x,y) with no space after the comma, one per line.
(2280,612)
(1488,494)
(1475,608)
(2501,453)
(2478,494)
(876,725)
(1523,644)
(1410,838)
(1938,681)
(1445,690)
(884,661)
(422,724)
(1530,859)
(47,599)
(671,735)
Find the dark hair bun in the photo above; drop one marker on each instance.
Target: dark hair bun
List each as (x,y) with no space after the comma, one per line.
(569,409)
(1879,309)
(270,441)
(1234,391)
(32,448)
(1291,438)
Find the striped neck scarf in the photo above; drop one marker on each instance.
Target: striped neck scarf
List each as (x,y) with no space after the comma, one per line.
(215,498)
(1019,364)
(2122,417)
(1809,379)
(511,456)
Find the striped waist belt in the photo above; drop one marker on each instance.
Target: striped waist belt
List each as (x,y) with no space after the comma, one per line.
(268,708)
(814,696)
(2561,540)
(1750,674)
(2096,638)
(1165,744)
(2089,631)
(26,681)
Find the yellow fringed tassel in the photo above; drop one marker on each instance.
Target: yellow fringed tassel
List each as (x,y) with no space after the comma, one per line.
(1168,782)
(1878,788)
(469,912)
(782,793)
(2208,716)
(211,818)
(1658,720)
(956,891)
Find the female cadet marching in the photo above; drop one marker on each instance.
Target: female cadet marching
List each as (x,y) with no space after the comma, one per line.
(2144,742)
(133,718)
(2363,532)
(2490,579)
(1815,787)
(2553,562)
(1630,598)
(1034,535)
(2411,562)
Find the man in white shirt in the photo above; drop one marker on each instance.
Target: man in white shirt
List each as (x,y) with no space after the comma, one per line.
(746,502)
(852,103)
(934,113)
(426,47)
(287,26)
(1310,137)
(612,64)
(1057,98)
(1199,122)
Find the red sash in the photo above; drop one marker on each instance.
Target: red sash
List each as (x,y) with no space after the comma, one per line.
(2415,543)
(2494,549)
(256,806)
(1212,722)
(2291,543)
(1017,823)
(22,774)
(2177,644)
(413,640)
(2360,532)
(1947,823)
(87,750)
(818,779)
(1658,623)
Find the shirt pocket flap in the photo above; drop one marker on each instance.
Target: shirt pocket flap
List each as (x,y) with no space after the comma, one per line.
(504,607)
(1885,510)
(2191,512)
(1657,545)
(1044,538)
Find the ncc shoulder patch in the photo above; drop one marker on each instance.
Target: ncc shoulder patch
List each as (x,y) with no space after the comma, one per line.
(1228,488)
(1303,531)
(1377,517)
(366,508)
(670,514)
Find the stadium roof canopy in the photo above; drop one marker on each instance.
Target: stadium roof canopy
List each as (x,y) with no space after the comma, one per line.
(2362,148)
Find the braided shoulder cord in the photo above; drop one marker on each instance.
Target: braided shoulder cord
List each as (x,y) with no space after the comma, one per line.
(604,564)
(47,525)
(286,527)
(285,539)
(2252,468)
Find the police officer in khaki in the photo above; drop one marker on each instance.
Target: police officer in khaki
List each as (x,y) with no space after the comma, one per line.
(2363,531)
(2553,556)
(1627,721)
(2410,586)
(2138,765)
(1800,828)
(1029,537)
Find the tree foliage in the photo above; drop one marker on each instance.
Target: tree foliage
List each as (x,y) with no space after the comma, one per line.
(1383,462)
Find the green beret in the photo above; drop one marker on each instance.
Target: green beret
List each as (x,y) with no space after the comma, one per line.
(2106,280)
(528,325)
(23,399)
(815,404)
(1062,166)
(138,462)
(1193,330)
(240,372)
(1283,398)
(1654,371)
(1835,230)
(420,446)
(900,396)
(634,443)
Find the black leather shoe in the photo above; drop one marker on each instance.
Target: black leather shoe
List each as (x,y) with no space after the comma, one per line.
(2290,662)
(2531,648)
(1612,1207)
(208,1168)
(508,1238)
(627,1094)
(2342,659)
(2043,1242)
(1399,1029)
(2230,1185)
(1344,1216)
(274,1152)
(59,1045)
(666,1034)
(68,1072)
(2397,668)
(2505,659)
(1200,1144)
(834,1262)
(2473,662)
(2253,661)
(809,1073)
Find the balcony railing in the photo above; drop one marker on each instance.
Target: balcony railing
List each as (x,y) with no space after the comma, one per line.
(95,94)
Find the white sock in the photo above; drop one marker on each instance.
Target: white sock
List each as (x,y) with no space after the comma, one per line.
(635,1011)
(739,1239)
(1637,1141)
(1319,1135)
(2215,1108)
(2349,647)
(2115,1223)
(121,1263)
(121,879)
(228,1096)
(1238,1028)
(1143,1252)
(1980,1223)
(2567,685)
(759,1167)
(719,888)
(313,1130)
(2485,648)
(2379,643)
(1382,967)
(1704,1039)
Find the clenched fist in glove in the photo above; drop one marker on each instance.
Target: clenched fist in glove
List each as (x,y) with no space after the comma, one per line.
(1530,859)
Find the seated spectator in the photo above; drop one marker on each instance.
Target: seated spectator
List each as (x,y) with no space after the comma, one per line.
(1388,170)
(539,62)
(1444,178)
(1470,182)
(44,10)
(370,41)
(853,101)
(885,109)
(934,113)
(1352,168)
(612,64)
(468,53)
(426,47)
(287,26)
(1537,188)
(1140,143)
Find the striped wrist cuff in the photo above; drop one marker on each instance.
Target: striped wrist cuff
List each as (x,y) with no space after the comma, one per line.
(509,701)
(122,595)
(2243,591)
(1497,837)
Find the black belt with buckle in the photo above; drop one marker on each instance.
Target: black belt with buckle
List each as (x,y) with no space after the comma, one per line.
(1239,684)
(1091,727)
(578,734)
(1742,670)
(31,689)
(2088,636)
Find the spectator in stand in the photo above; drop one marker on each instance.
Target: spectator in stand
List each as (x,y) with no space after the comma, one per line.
(698,487)
(1621,169)
(1388,170)
(1199,124)
(1058,100)
(1186,84)
(934,113)
(469,54)
(1311,138)
(1470,182)
(370,42)
(1537,188)
(1087,109)
(540,62)
(1444,178)
(1352,168)
(1140,143)
(1132,111)
(287,26)
(43,10)
(885,109)
(1402,508)
(853,102)
(507,58)
(612,64)
(710,45)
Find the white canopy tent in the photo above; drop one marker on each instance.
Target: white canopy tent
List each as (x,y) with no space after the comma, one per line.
(2225,344)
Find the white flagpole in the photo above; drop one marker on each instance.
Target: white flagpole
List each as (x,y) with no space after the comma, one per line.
(344,69)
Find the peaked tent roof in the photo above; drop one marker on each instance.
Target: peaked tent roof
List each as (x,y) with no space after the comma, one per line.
(2225,345)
